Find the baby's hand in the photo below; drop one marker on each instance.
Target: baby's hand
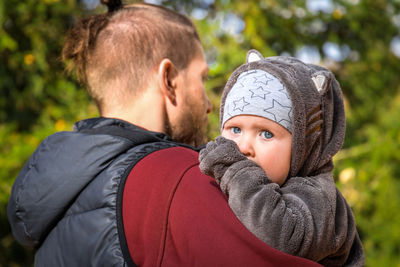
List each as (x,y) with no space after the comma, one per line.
(218,156)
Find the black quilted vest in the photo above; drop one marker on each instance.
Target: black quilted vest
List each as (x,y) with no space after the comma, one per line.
(67,200)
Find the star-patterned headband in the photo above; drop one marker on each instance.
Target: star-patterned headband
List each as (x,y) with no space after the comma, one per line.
(257,92)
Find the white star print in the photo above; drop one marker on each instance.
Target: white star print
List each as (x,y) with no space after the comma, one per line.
(262,79)
(275,109)
(283,91)
(259,92)
(240,104)
(244,74)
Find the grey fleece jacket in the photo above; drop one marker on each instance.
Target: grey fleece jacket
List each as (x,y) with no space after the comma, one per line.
(307,216)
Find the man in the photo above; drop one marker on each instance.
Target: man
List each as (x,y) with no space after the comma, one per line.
(117,190)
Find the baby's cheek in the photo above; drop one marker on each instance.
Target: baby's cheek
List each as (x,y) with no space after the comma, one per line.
(227,134)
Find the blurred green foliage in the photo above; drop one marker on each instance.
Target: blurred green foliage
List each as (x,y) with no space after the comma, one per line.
(354,38)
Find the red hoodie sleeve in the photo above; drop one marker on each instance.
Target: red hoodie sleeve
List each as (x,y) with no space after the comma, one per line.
(174,215)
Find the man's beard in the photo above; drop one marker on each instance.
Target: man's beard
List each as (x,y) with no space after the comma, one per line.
(190,129)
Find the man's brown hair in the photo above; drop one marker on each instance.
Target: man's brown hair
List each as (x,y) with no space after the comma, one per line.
(113,53)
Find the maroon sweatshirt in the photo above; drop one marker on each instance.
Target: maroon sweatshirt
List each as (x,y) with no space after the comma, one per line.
(179,217)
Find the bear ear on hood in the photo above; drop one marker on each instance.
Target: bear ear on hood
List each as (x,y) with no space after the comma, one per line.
(322,81)
(253,55)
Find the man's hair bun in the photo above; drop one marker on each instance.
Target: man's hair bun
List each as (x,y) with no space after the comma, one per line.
(112,5)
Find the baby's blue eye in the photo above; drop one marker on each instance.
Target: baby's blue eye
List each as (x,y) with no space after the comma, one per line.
(267,135)
(236,130)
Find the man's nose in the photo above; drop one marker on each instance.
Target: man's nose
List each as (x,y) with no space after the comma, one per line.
(209,106)
(246,146)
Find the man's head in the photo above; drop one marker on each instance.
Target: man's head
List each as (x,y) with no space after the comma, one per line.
(118,55)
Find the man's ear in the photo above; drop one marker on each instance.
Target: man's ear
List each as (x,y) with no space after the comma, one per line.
(167,79)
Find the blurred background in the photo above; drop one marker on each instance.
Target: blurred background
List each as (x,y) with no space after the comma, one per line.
(359,40)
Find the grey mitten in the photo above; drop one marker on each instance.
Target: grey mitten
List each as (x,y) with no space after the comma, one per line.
(218,156)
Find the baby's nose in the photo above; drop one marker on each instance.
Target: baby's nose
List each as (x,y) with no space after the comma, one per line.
(246,147)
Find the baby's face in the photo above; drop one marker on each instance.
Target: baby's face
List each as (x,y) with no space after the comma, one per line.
(264,141)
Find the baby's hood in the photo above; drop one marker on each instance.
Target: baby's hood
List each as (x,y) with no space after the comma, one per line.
(318,118)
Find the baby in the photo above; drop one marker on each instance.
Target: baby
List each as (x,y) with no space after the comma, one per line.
(286,120)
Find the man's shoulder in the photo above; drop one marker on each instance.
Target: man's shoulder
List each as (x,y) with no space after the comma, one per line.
(177,152)
(165,155)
